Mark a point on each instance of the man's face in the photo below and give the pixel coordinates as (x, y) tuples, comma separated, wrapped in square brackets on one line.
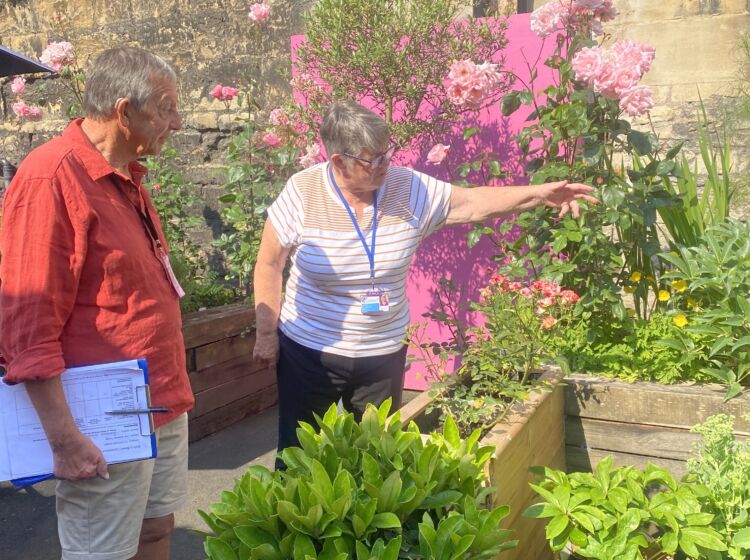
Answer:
[(153, 124)]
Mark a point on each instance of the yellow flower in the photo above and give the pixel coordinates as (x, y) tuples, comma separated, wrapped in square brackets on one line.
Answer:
[(691, 302), (650, 279), (629, 289), (663, 295), (679, 285), (680, 320), (635, 277)]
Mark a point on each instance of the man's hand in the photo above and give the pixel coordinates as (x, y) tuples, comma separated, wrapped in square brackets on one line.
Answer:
[(565, 196), (76, 457), (266, 349)]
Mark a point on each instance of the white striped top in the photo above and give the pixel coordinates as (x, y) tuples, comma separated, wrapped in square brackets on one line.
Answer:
[(330, 270)]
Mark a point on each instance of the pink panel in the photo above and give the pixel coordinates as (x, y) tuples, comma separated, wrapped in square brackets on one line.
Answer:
[(445, 254)]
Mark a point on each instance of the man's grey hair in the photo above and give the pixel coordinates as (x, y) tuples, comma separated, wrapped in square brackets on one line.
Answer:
[(349, 128), (122, 72)]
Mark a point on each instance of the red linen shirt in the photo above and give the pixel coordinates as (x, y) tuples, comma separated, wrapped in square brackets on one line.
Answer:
[(80, 279)]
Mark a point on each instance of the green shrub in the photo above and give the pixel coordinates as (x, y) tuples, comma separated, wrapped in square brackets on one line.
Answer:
[(624, 514), (368, 489)]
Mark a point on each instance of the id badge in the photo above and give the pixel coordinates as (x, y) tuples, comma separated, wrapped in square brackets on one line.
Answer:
[(374, 302), (170, 274)]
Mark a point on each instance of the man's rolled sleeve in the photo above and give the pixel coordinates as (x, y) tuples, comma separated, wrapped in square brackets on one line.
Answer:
[(42, 254)]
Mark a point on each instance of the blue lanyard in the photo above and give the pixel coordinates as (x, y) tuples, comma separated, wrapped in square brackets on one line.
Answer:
[(370, 251)]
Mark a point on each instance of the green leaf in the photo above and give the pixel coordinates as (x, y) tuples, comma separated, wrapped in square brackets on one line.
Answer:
[(556, 526), (469, 132), (643, 143), (511, 102), (217, 549), (386, 520), (303, 547), (741, 538), (702, 536)]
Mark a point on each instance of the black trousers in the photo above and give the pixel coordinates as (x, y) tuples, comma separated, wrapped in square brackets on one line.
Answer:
[(310, 381)]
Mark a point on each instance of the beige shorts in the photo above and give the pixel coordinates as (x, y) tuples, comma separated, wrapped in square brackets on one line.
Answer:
[(101, 519)]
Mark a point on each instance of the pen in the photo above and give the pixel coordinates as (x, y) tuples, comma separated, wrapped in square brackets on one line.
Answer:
[(140, 410)]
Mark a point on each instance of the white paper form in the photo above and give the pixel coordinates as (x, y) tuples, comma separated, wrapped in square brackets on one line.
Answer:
[(91, 391)]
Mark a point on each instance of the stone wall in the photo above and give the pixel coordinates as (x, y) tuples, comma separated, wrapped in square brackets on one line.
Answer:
[(206, 41)]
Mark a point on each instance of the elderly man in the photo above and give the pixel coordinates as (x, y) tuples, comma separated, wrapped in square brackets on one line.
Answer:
[(86, 280), (350, 228)]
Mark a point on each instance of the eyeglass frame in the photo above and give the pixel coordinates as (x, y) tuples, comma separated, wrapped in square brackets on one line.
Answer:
[(386, 159)]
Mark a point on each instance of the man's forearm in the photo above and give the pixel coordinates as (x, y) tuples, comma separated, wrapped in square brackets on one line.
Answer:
[(48, 399), (267, 289)]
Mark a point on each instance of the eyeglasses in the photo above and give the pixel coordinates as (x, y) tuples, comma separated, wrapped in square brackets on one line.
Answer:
[(379, 160)]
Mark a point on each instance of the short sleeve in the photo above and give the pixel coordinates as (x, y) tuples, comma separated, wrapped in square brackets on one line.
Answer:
[(431, 201), (286, 215)]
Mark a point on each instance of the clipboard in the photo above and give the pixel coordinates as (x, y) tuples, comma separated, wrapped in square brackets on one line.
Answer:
[(91, 391)]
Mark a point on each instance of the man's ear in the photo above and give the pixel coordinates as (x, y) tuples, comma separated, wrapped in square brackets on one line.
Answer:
[(122, 112)]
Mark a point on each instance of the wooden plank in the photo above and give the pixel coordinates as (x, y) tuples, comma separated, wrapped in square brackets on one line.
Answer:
[(223, 373), (532, 435), (681, 406), (222, 350), (221, 395), (637, 439), (585, 460), (204, 327), (225, 416)]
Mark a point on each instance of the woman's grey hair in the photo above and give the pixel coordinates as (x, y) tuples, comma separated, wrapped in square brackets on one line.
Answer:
[(349, 128), (122, 72)]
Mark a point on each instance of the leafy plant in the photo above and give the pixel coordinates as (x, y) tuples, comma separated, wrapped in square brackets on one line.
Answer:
[(393, 53), (710, 284), (720, 464), (500, 358), (369, 489), (706, 204), (580, 132), (255, 175), (624, 514)]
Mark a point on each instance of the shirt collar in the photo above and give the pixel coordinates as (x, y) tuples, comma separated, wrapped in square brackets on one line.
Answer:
[(92, 159)]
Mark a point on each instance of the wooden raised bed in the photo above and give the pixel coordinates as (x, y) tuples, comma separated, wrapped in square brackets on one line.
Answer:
[(530, 435), (640, 422), (227, 383)]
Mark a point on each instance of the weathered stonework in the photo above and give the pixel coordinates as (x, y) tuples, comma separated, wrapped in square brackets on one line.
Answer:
[(207, 42)]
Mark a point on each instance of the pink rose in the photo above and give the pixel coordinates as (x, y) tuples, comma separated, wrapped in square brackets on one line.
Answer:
[(437, 153), (156, 187), (548, 322), (58, 55), (27, 112), (259, 12), (278, 117), (469, 83), (545, 20), (18, 85), (637, 101), (271, 140), (637, 56), (586, 63), (625, 78), (224, 93), (312, 152), (607, 12)]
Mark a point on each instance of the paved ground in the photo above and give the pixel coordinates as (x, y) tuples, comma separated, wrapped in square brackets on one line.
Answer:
[(28, 530)]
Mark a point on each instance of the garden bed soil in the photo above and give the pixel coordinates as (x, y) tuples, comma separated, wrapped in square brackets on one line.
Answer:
[(227, 383)]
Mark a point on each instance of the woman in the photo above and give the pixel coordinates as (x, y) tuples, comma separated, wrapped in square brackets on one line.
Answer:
[(351, 226)]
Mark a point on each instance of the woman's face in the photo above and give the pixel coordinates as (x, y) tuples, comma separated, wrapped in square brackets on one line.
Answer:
[(367, 170)]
